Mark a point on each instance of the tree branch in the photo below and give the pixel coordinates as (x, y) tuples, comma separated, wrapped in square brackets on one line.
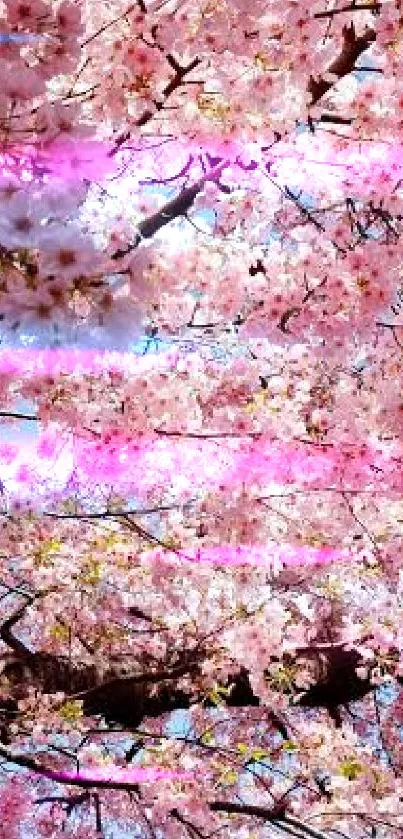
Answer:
[(266, 813), (7, 636), (147, 115), (18, 415), (60, 777), (352, 7), (353, 47), (276, 815), (178, 206), (116, 513), (191, 828)]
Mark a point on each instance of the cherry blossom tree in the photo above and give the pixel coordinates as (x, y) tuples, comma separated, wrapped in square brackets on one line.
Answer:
[(201, 624)]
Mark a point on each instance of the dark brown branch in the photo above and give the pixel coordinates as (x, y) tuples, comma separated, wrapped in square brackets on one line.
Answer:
[(353, 47), (191, 828), (60, 777), (287, 823), (283, 322), (362, 525), (178, 206), (70, 802), (98, 818), (276, 814), (303, 209), (335, 120), (147, 115), (207, 436), (135, 612), (266, 813), (17, 415), (165, 181), (127, 700), (107, 25), (115, 514), (336, 682), (241, 695), (352, 7), (7, 636)]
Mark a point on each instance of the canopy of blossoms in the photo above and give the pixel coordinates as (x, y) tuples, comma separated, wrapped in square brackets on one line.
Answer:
[(201, 549)]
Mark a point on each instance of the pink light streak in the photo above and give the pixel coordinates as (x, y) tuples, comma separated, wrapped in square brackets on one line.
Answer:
[(23, 363), (328, 469), (85, 158), (204, 464), (116, 774), (271, 556)]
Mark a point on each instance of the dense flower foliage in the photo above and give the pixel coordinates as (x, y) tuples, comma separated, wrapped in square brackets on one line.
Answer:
[(201, 550)]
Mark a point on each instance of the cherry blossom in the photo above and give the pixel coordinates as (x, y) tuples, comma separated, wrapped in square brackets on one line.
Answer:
[(21, 224), (25, 13), (68, 255), (201, 593)]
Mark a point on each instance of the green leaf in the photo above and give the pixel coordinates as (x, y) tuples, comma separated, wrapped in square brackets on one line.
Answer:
[(289, 746), (207, 738), (230, 776), (71, 711), (350, 769), (259, 754)]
